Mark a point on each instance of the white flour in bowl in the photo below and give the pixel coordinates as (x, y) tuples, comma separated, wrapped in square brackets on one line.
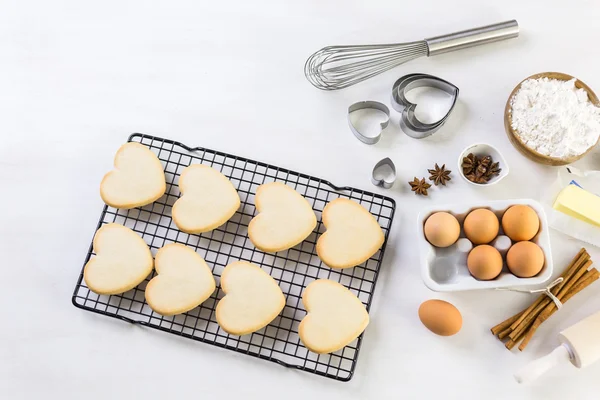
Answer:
[(555, 118)]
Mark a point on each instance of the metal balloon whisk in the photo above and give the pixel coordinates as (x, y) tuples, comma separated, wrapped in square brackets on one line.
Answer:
[(337, 67)]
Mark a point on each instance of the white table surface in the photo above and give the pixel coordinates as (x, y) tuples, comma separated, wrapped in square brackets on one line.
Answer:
[(77, 78)]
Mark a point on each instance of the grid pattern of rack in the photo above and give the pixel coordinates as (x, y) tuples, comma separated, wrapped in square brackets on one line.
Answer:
[(293, 269)]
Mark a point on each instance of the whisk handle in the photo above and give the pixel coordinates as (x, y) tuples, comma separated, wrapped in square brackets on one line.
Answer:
[(472, 37)]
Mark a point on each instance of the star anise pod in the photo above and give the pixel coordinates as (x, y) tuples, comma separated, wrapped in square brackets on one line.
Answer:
[(469, 163), (439, 175), (480, 171), (493, 170), (481, 179), (485, 161), (476, 179), (419, 186)]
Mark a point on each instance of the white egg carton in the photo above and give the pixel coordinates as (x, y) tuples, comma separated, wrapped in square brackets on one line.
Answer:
[(445, 269)]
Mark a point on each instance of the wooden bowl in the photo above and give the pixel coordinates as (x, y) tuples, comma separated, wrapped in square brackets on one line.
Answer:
[(518, 143)]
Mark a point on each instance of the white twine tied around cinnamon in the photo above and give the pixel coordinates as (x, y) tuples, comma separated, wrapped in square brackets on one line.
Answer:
[(547, 291)]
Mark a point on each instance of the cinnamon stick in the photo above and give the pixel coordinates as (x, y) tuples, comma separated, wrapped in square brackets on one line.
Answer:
[(570, 273), (581, 257), (583, 269), (526, 312), (526, 323), (505, 324), (504, 333), (587, 279), (512, 342), (529, 334), (522, 326), (516, 319)]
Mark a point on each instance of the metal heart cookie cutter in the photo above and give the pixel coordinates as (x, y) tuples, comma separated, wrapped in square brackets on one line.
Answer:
[(409, 122), (384, 173), (362, 105)]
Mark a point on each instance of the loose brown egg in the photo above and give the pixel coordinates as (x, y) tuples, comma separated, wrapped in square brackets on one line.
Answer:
[(440, 317), (484, 262), (520, 223), (481, 226), (442, 229), (525, 259)]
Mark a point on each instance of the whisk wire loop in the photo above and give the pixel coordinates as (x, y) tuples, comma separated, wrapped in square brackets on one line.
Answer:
[(337, 67)]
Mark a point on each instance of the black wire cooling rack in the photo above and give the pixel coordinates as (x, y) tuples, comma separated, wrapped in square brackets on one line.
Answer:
[(293, 269)]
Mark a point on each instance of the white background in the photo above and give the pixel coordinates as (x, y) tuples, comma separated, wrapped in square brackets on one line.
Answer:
[(78, 77)]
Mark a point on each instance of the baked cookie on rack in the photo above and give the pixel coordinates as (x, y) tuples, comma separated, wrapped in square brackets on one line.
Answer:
[(208, 199), (353, 235), (183, 280), (138, 178), (252, 299), (123, 260), (335, 317), (284, 219)]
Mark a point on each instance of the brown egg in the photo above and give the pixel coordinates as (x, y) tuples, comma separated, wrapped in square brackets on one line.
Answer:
[(525, 259), (440, 317), (484, 262), (520, 223), (481, 226), (442, 229)]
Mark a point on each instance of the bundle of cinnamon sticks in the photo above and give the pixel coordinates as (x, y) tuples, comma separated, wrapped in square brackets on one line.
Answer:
[(522, 326)]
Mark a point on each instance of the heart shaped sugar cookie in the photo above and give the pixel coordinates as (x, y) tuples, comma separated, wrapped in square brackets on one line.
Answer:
[(335, 317), (285, 218), (208, 199), (123, 260), (137, 180), (183, 280), (353, 235), (252, 299)]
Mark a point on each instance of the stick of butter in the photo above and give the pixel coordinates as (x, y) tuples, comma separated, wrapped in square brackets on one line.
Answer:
[(578, 203)]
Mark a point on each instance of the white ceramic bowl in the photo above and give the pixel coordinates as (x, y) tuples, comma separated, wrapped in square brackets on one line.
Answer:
[(483, 149), (445, 269)]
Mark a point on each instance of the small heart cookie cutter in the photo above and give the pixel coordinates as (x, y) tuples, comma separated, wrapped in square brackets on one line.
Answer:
[(362, 105), (409, 122), (385, 182)]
